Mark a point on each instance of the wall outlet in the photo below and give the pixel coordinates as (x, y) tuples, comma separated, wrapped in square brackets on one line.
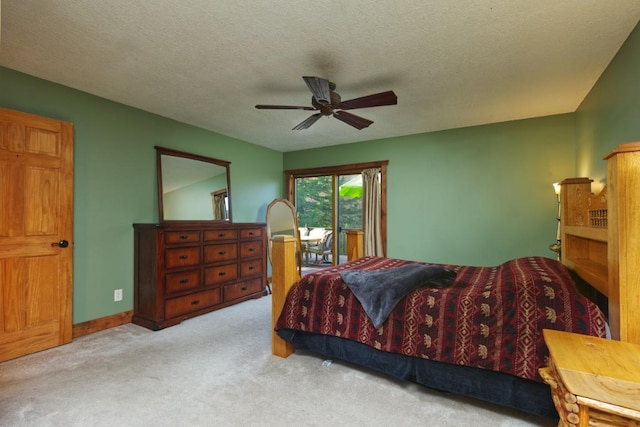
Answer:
[(117, 295)]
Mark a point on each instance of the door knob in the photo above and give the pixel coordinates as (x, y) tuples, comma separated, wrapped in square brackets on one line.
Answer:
[(61, 243)]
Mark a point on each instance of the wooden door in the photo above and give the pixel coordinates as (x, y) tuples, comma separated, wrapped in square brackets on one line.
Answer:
[(36, 218)]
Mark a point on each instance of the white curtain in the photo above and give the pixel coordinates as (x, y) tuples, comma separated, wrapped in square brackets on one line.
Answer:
[(371, 212), (219, 207)]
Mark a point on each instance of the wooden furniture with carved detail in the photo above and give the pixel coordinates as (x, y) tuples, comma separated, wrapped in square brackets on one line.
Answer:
[(187, 269), (594, 381), (600, 237)]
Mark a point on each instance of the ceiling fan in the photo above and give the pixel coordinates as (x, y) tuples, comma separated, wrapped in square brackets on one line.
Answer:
[(326, 101)]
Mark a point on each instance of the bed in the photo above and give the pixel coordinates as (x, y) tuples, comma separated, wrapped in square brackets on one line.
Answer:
[(481, 334)]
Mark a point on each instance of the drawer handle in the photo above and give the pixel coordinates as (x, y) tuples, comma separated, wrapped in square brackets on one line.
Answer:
[(252, 267), (244, 288), (183, 281), (195, 302), (252, 249), (222, 252), (222, 273), (184, 256), (184, 237), (251, 233), (222, 234)]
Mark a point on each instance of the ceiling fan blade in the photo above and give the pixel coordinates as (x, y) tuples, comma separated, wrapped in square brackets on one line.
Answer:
[(308, 122), (283, 107), (353, 120), (375, 100), (320, 89)]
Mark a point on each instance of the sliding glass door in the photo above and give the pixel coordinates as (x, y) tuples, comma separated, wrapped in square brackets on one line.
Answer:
[(316, 216), (329, 201), (332, 203)]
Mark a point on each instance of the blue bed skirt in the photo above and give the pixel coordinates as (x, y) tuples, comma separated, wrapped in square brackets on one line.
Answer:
[(489, 386)]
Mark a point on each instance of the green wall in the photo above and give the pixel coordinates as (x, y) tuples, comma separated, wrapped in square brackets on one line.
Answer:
[(610, 114), (115, 180), (478, 195)]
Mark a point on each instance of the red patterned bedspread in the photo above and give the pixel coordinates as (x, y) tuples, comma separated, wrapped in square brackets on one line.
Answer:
[(492, 317)]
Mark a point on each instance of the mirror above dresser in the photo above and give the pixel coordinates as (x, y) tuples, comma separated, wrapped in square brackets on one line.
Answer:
[(192, 187)]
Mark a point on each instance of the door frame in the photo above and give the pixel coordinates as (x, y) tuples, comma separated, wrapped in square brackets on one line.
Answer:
[(354, 168)]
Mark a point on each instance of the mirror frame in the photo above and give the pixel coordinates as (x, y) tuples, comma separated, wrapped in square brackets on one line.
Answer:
[(295, 230), (161, 151)]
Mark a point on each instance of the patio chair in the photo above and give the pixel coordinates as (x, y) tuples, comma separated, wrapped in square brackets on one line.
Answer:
[(311, 238), (323, 247)]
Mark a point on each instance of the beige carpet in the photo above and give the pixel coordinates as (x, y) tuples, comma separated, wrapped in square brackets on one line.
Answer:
[(217, 370)]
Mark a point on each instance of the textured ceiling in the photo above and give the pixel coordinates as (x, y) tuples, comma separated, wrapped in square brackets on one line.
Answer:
[(452, 63)]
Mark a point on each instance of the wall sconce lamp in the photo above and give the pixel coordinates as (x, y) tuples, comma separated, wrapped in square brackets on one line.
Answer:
[(557, 247)]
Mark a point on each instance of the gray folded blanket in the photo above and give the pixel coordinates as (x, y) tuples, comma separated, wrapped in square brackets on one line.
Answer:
[(379, 291)]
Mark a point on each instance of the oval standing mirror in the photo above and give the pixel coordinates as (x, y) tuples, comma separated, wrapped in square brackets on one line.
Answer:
[(283, 221), (192, 187)]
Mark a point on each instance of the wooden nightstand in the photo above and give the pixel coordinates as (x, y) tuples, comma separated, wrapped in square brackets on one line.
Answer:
[(594, 381)]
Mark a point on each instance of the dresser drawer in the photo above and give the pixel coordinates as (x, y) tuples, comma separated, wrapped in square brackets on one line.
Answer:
[(177, 282), (220, 274), (250, 268), (182, 257), (239, 290), (194, 302), (250, 233), (215, 253), (175, 237), (216, 235), (251, 249)]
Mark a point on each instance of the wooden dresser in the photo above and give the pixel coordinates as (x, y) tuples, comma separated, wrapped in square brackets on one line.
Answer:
[(594, 381), (186, 269)]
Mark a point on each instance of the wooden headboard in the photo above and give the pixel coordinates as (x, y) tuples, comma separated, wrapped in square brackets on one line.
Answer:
[(600, 237)]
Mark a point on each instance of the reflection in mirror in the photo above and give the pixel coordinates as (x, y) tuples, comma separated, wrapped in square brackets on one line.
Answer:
[(282, 221), (220, 204), (192, 187)]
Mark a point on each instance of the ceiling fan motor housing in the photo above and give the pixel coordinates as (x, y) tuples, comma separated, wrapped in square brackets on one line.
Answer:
[(327, 109)]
